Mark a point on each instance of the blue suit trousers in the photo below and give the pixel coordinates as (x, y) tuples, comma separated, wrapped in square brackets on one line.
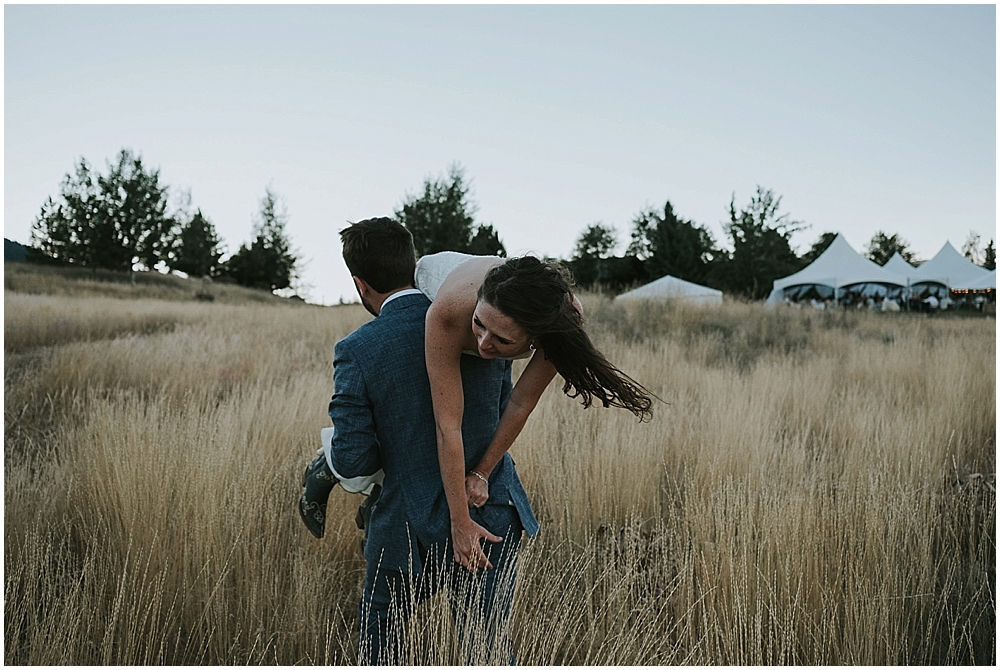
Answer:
[(480, 603)]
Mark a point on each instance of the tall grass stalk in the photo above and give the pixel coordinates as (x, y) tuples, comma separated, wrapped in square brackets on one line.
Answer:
[(817, 488)]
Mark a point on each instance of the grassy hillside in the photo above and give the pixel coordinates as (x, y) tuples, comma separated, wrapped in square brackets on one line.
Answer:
[(83, 282), (816, 488)]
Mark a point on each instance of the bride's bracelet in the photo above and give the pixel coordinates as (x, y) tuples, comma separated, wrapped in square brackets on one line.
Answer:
[(473, 472)]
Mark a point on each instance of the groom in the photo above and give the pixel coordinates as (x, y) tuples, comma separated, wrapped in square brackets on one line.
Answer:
[(383, 418)]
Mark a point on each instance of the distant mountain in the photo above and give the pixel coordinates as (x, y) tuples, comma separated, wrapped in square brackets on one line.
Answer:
[(14, 252)]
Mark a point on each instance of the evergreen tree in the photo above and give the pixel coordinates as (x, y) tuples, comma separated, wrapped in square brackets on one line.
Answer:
[(441, 219), (669, 245), (596, 241), (592, 249), (762, 251), (882, 247), (269, 261), (486, 242), (990, 257), (113, 221), (196, 251)]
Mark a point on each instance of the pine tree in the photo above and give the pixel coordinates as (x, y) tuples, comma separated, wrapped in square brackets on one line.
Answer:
[(197, 251), (990, 257), (882, 247), (762, 251), (114, 221), (269, 261), (669, 245), (592, 248), (441, 219)]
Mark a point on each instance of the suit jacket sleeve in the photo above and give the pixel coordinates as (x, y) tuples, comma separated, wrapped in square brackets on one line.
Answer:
[(354, 449)]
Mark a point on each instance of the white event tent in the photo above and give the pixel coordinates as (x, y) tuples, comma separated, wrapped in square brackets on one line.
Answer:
[(899, 265), (987, 281), (950, 268), (672, 287), (840, 265)]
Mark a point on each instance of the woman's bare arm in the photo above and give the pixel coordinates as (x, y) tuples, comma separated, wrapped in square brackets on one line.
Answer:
[(445, 330), (528, 389)]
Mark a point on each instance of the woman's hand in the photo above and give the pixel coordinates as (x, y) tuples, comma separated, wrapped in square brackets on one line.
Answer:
[(477, 489), (465, 537)]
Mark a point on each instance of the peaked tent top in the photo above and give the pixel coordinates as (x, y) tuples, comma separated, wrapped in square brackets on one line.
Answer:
[(950, 268), (672, 287), (840, 265), (899, 265)]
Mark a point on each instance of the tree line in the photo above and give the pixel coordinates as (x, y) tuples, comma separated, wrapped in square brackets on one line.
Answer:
[(663, 243), (758, 234), (120, 221)]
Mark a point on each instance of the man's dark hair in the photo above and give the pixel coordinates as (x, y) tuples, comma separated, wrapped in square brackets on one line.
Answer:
[(380, 251)]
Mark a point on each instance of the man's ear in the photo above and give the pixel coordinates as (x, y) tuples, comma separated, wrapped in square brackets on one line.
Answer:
[(364, 288)]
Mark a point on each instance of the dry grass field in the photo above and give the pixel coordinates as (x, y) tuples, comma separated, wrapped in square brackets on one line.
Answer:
[(91, 283), (817, 488)]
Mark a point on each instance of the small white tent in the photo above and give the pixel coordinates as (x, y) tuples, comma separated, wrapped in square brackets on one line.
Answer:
[(950, 268), (840, 265), (672, 287)]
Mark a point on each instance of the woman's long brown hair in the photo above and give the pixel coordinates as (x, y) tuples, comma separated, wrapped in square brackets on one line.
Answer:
[(537, 295)]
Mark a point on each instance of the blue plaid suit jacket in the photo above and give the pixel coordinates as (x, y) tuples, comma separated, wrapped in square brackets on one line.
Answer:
[(383, 418)]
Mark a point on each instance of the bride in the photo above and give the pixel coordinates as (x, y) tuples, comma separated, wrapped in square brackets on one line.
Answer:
[(515, 308), (492, 308)]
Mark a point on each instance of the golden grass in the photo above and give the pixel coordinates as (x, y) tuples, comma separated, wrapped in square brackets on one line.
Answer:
[(810, 494), (71, 281)]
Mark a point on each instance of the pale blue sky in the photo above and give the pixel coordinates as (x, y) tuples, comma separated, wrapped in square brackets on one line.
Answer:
[(861, 117)]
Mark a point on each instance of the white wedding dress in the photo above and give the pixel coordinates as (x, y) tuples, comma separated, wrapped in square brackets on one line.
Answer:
[(433, 269)]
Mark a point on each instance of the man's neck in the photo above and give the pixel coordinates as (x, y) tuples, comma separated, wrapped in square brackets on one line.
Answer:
[(393, 294)]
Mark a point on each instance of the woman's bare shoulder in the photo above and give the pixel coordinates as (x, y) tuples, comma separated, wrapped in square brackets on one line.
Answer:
[(458, 292)]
